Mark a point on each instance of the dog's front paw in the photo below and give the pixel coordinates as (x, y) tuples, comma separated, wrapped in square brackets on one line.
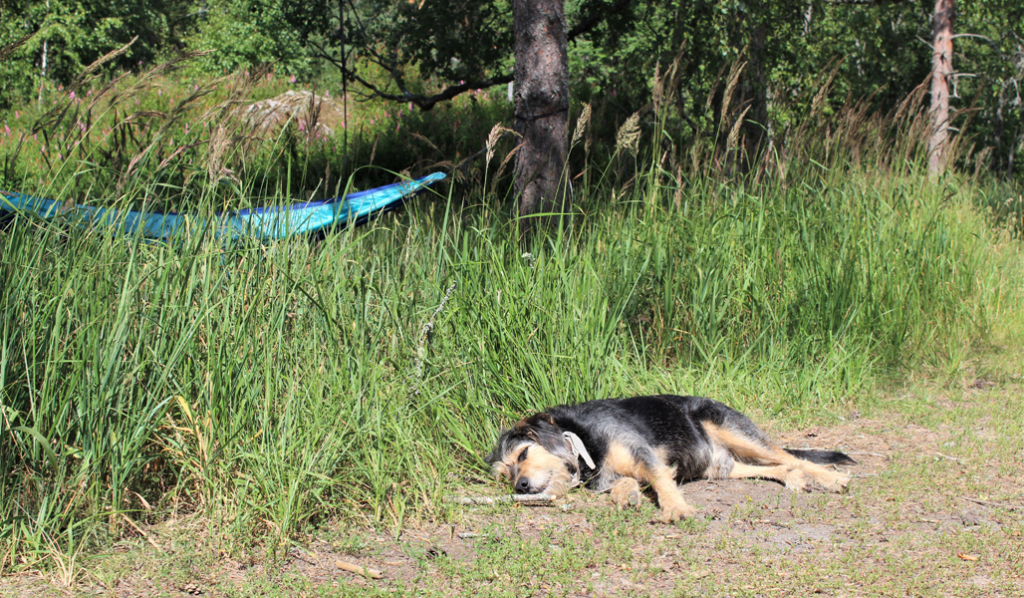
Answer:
[(626, 493), (673, 512), (835, 482), (796, 480)]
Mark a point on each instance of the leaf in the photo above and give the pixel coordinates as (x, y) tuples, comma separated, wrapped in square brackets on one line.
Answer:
[(43, 442), (968, 557), (184, 407)]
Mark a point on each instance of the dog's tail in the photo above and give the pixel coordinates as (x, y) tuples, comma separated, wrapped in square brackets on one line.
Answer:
[(822, 457)]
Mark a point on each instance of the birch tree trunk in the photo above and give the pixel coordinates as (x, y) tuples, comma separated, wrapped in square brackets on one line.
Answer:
[(541, 106), (942, 70)]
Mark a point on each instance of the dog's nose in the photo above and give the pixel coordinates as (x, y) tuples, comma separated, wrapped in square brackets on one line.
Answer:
[(523, 486)]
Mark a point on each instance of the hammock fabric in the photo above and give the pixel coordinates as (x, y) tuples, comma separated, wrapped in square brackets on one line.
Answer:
[(273, 222)]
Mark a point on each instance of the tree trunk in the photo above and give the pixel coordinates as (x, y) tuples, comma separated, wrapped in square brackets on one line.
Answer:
[(942, 69), (541, 106), (755, 94)]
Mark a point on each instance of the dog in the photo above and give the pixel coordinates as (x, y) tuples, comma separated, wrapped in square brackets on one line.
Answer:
[(617, 444)]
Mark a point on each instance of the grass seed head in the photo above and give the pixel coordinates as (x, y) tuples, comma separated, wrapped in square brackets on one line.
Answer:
[(628, 137), (581, 124)]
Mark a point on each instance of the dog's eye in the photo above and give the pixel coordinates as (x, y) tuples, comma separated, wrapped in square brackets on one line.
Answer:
[(522, 455)]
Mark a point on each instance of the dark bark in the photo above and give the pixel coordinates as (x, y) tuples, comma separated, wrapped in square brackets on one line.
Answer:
[(942, 70), (541, 106), (755, 92), (427, 102)]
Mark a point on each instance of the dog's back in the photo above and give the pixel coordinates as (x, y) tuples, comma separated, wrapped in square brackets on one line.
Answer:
[(673, 424)]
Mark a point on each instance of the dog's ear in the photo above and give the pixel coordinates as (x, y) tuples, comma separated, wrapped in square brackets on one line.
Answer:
[(542, 429), (534, 421)]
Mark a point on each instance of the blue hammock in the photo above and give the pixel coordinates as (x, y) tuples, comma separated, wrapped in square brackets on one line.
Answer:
[(261, 223)]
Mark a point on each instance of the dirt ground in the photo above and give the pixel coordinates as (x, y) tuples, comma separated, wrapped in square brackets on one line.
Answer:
[(935, 508)]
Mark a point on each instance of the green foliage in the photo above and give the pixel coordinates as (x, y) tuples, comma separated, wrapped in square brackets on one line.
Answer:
[(72, 35), (164, 142), (247, 33), (455, 40), (265, 386), (791, 48)]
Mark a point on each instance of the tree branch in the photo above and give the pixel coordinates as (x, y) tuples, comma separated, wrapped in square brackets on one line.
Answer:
[(595, 19), (866, 2), (426, 102), (9, 49)]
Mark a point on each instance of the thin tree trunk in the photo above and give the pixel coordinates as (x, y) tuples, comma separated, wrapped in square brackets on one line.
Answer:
[(997, 127), (755, 91), (541, 106), (42, 78), (942, 69)]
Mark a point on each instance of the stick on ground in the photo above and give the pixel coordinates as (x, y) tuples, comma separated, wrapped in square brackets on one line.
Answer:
[(490, 500), (364, 571)]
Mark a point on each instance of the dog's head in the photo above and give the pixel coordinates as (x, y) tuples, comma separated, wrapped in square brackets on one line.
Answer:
[(535, 457)]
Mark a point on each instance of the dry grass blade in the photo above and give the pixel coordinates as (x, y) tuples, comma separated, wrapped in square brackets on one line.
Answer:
[(734, 133), (730, 87), (714, 89), (912, 103), (9, 50), (373, 150), (659, 88), (497, 132), (628, 137), (220, 142), (492, 139), (581, 124), (505, 161), (424, 139), (819, 97), (666, 84), (312, 117), (81, 78)]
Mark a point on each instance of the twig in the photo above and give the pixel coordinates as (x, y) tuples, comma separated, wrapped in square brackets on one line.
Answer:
[(428, 328), (989, 503), (141, 532), (297, 553), (490, 500), (426, 102), (887, 457), (364, 571)]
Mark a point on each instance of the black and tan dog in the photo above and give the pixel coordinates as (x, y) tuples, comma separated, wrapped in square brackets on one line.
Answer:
[(618, 444)]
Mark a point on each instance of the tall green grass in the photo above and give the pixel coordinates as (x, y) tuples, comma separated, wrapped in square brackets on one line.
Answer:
[(266, 387), (157, 141)]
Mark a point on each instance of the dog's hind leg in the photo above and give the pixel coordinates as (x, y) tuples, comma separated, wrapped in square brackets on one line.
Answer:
[(793, 478), (757, 452)]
